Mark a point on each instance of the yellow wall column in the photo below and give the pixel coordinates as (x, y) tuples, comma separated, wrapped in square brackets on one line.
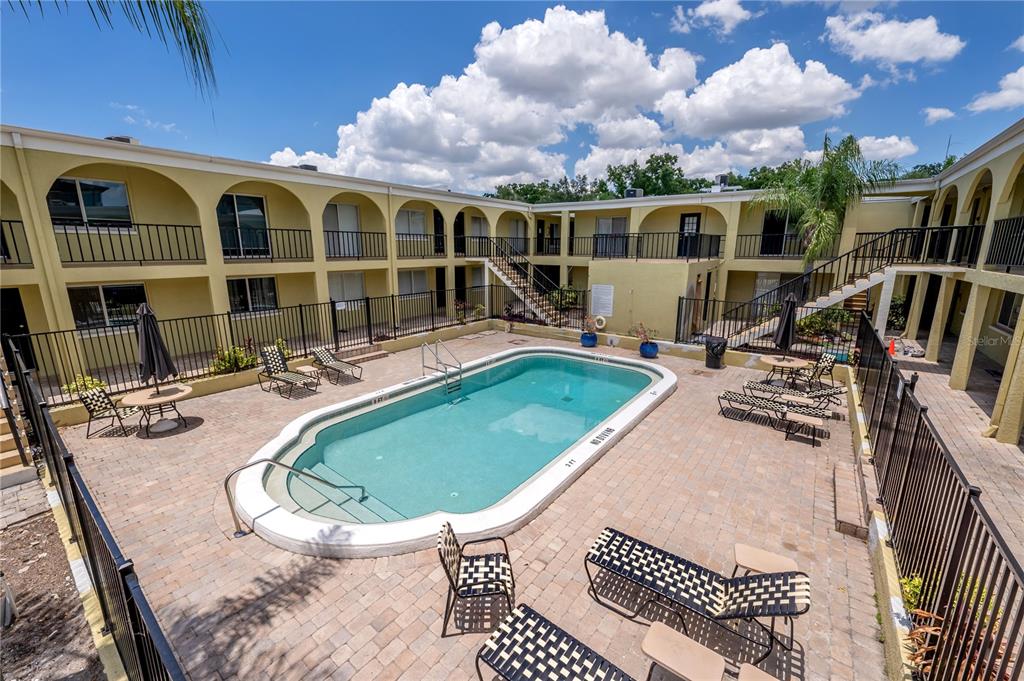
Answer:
[(315, 207), (636, 216), (939, 318), (970, 331), (1008, 411), (563, 242), (917, 306)]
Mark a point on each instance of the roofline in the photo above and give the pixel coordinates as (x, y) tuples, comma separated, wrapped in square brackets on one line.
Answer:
[(700, 198), (1006, 140)]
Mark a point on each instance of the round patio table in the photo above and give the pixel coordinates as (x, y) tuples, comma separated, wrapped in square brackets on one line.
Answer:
[(158, 403), (784, 366)]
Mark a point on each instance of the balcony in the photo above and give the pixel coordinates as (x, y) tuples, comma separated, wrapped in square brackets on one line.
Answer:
[(14, 250), (1007, 246), (956, 245), (356, 245), (116, 242), (656, 246), (420, 245), (770, 246), (271, 245)]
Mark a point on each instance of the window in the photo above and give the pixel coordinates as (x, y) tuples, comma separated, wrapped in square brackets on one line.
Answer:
[(252, 295), (412, 281), (98, 306), (1009, 311), (410, 222), (341, 217), (243, 226), (689, 223), (346, 285), (517, 228), (477, 226), (75, 201)]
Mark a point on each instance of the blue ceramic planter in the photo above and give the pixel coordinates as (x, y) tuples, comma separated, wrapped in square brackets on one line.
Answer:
[(588, 340), (648, 350)]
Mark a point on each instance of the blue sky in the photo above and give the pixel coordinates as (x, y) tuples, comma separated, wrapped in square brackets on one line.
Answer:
[(724, 84)]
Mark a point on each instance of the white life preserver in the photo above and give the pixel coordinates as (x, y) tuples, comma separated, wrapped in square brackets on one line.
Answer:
[(600, 322)]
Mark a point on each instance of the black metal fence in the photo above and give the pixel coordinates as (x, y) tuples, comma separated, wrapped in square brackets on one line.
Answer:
[(549, 245), (770, 246), (127, 615), (970, 585), (1007, 246), (656, 246), (831, 330), (273, 244), (356, 245), (419, 246), (79, 243), (14, 248), (69, 361)]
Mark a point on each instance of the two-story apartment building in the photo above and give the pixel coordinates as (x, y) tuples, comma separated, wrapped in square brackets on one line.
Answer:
[(93, 227)]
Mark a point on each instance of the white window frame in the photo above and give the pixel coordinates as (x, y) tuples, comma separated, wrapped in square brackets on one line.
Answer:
[(129, 227), (406, 235), (103, 303), (248, 297)]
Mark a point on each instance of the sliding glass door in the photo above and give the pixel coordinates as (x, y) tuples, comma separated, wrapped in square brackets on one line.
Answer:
[(243, 226)]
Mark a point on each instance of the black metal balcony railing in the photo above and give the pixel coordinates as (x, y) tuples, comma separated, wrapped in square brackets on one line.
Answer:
[(581, 246), (770, 246), (14, 243), (273, 244), (1007, 246), (656, 246), (419, 245), (127, 242), (518, 244), (547, 246), (356, 245), (956, 244)]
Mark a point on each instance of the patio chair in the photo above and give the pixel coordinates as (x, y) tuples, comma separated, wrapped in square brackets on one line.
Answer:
[(775, 409), (813, 376), (529, 646), (275, 370), (323, 359), (677, 583), (473, 576), (99, 405), (822, 396)]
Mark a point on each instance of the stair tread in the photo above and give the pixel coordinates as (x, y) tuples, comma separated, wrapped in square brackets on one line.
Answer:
[(372, 503)]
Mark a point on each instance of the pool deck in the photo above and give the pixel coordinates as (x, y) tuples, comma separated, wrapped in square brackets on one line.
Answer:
[(685, 478)]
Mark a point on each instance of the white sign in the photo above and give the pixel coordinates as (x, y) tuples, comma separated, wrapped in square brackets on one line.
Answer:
[(602, 299), (341, 305)]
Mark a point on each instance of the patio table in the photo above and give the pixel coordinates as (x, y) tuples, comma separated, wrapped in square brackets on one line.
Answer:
[(152, 402), (784, 366)]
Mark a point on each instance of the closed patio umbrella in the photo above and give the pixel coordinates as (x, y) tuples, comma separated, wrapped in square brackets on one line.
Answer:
[(785, 332), (154, 359)]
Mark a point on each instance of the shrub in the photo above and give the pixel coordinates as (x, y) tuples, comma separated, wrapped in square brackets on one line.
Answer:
[(82, 383), (825, 323), (563, 298), (282, 345), (235, 358), (897, 318), (911, 588)]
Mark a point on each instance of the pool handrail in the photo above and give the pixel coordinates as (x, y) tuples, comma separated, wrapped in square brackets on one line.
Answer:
[(441, 365), (239, 532)]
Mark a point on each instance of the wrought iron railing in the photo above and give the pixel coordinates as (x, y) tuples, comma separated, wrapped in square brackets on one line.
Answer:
[(14, 248), (419, 245), (770, 246), (656, 246), (81, 243), (1007, 246), (549, 245), (272, 244), (971, 586), (355, 245)]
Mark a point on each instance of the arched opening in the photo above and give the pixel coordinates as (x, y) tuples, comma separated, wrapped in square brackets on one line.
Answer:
[(354, 228), (979, 199), (681, 232), (110, 213), (513, 230), (419, 230), (947, 207), (471, 231), (263, 221), (1013, 192)]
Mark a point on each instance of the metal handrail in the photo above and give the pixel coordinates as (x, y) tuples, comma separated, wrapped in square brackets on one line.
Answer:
[(231, 498), (440, 364)]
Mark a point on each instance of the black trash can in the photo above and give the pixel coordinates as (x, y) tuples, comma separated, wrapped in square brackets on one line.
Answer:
[(714, 348)]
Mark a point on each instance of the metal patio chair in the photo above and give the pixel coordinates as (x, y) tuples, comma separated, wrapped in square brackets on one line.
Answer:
[(473, 576), (99, 405), (277, 373), (325, 360)]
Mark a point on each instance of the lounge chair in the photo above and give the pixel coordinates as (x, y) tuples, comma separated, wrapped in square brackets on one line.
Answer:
[(775, 409), (678, 583), (473, 576), (323, 359), (99, 405), (277, 373), (822, 396), (529, 646), (813, 376)]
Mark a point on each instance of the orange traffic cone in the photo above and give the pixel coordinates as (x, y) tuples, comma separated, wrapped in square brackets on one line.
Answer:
[(892, 347)]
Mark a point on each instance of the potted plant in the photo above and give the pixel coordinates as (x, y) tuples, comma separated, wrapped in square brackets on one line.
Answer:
[(588, 338), (648, 348)]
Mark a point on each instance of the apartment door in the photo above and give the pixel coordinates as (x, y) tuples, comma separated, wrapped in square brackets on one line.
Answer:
[(689, 231), (438, 233), (773, 233), (14, 323), (439, 286), (460, 282), (611, 237), (459, 229)]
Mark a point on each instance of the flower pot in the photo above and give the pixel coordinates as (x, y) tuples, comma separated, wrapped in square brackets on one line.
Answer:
[(588, 340), (649, 350)]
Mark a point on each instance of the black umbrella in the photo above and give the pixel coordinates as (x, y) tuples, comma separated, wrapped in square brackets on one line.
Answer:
[(785, 332), (154, 360)]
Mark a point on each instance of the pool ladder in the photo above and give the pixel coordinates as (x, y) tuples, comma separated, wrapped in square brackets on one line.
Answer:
[(451, 368)]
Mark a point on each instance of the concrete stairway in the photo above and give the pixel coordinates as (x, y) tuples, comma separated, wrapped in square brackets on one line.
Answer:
[(13, 468), (535, 300)]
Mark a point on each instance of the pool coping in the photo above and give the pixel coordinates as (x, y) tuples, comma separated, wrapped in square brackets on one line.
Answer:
[(307, 536)]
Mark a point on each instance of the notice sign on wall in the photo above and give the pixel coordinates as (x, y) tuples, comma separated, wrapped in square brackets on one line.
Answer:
[(602, 299)]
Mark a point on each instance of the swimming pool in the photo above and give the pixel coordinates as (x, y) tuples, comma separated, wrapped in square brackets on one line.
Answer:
[(487, 457)]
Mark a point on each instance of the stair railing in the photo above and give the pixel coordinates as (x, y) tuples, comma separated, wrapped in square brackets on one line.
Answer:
[(444, 366)]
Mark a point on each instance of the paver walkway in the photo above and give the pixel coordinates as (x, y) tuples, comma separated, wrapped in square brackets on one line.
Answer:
[(684, 478), (960, 417), (21, 502)]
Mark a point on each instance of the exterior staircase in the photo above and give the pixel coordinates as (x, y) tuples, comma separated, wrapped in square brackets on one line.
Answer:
[(847, 278), (16, 464), (513, 269)]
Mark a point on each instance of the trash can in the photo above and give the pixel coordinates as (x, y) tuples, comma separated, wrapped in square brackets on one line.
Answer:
[(714, 348)]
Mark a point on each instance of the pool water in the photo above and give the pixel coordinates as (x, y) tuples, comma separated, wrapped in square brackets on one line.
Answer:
[(466, 451)]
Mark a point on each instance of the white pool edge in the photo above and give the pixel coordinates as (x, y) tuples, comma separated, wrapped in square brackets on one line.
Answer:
[(307, 536)]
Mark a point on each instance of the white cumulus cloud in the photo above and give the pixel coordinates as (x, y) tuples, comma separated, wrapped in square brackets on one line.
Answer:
[(638, 131), (1018, 44), (886, 148), (723, 15), (766, 88), (870, 36), (1010, 94), (934, 114)]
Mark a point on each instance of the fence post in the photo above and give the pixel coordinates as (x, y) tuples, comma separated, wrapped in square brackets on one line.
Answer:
[(433, 305), (335, 331), (913, 381), (302, 330), (394, 315)]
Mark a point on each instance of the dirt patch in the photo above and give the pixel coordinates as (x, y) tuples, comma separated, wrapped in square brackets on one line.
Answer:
[(51, 638)]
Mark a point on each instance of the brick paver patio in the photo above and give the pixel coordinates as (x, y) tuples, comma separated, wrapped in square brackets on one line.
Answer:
[(685, 478)]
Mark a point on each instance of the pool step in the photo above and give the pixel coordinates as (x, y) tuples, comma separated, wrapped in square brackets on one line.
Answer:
[(342, 505), (372, 503)]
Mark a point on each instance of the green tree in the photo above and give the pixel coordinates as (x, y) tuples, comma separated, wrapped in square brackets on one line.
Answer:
[(821, 193), (566, 189), (660, 175), (181, 23), (923, 171)]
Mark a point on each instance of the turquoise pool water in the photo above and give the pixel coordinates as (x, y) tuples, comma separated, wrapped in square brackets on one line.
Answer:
[(461, 453)]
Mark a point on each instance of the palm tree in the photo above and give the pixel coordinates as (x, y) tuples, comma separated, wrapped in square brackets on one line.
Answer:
[(817, 195), (183, 23)]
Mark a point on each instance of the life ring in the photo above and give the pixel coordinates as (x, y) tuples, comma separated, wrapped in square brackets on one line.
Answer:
[(600, 322)]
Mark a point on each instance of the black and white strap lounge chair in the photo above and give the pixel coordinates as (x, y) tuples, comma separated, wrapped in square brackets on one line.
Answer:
[(473, 576), (678, 583), (529, 646), (822, 396), (331, 365), (99, 405), (814, 376), (277, 373), (774, 409)]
